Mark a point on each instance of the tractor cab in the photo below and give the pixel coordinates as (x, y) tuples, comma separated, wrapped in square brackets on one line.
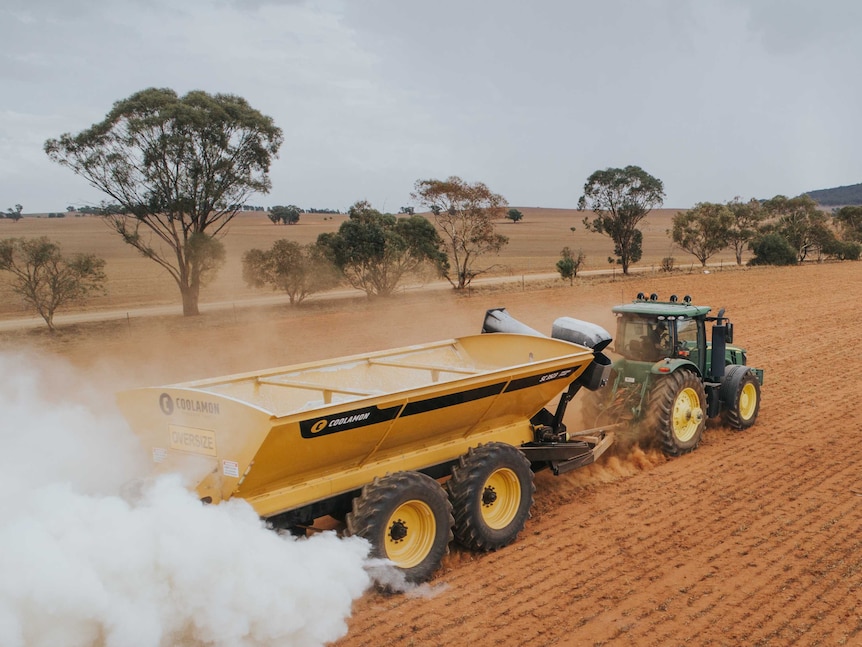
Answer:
[(651, 331)]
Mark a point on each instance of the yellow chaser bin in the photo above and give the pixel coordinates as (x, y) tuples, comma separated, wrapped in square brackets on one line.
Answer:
[(408, 446)]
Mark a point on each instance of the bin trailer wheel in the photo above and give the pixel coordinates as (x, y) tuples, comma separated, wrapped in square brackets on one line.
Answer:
[(740, 393), (407, 518), (491, 490), (676, 412)]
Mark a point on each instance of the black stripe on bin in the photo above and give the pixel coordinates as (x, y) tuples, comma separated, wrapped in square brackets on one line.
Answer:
[(453, 399), (314, 427), (533, 380)]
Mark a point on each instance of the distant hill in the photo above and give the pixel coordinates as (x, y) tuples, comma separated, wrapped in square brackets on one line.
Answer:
[(839, 196)]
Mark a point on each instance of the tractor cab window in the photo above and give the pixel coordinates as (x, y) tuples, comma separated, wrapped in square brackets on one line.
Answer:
[(644, 339), (686, 331)]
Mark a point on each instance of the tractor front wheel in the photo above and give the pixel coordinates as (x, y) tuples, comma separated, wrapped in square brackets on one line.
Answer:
[(676, 412), (491, 490), (407, 518), (740, 393)]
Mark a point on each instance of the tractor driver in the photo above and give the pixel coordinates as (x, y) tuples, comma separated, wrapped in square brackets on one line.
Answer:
[(658, 339)]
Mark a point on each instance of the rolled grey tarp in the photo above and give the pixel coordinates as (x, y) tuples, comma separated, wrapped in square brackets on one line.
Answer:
[(581, 332)]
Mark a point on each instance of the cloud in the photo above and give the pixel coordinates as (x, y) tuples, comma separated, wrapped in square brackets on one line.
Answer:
[(257, 4), (716, 98), (798, 27)]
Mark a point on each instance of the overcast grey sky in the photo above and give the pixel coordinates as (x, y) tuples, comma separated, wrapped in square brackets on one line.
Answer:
[(717, 98)]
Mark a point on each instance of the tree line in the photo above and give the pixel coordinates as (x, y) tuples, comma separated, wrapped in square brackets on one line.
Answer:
[(177, 169), (778, 231), (374, 251), (371, 251)]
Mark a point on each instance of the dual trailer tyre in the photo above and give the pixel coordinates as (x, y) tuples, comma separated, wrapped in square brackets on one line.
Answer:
[(407, 518), (740, 393), (491, 490), (676, 411)]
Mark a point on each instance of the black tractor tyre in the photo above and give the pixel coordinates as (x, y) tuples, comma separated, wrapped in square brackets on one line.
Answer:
[(676, 411), (491, 490), (740, 394), (407, 518)]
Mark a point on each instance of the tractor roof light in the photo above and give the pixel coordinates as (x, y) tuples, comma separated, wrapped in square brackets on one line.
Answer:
[(687, 299), (673, 298), (653, 297)]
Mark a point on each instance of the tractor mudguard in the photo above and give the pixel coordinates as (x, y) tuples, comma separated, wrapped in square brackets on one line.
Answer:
[(670, 364)]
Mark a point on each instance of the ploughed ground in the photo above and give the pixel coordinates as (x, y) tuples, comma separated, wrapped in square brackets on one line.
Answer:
[(753, 539)]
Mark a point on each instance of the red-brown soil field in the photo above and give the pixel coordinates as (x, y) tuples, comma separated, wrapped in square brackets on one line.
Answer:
[(753, 539)]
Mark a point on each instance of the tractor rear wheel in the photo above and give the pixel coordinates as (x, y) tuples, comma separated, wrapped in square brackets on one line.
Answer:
[(740, 393), (676, 412), (491, 490), (407, 518)]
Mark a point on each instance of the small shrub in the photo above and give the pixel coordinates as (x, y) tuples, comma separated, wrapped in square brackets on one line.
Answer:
[(569, 264), (843, 250), (772, 249)]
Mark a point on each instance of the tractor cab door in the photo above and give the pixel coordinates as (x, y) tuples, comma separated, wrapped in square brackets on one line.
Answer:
[(691, 341)]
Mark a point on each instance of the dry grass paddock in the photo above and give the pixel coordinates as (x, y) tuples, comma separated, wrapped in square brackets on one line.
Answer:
[(134, 281)]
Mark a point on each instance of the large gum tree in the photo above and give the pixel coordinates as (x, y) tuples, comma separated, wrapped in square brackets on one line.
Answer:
[(179, 168), (620, 198)]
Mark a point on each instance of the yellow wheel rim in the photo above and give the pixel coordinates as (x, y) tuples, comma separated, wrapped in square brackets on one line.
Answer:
[(687, 415), (501, 498), (747, 401), (410, 533)]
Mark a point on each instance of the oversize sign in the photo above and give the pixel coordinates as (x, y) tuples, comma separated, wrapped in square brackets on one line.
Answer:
[(196, 441)]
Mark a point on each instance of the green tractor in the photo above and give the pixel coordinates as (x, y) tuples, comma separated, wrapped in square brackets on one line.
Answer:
[(670, 378)]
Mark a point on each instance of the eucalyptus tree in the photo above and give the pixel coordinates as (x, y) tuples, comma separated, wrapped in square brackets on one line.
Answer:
[(620, 198), (179, 167), (375, 251), (747, 220), (46, 279), (297, 270), (802, 224), (849, 219), (703, 230), (465, 215)]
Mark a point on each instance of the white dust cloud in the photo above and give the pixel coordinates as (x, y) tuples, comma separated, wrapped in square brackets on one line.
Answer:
[(87, 560)]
